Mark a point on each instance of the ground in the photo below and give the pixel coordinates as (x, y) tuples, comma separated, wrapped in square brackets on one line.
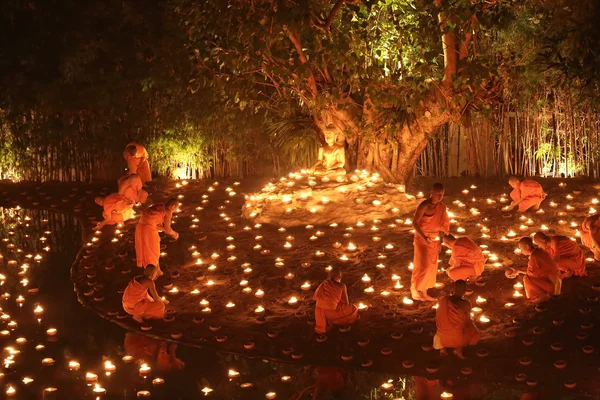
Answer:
[(210, 214)]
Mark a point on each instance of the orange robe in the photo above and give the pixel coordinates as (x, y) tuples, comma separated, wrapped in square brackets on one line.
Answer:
[(151, 351), (117, 209), (138, 164), (454, 326), (567, 254), (130, 187), (426, 254), (331, 308), (465, 253), (542, 276), (138, 302), (147, 239), (586, 235), (531, 192)]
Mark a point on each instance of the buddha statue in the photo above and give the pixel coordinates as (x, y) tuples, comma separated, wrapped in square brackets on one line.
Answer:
[(331, 158)]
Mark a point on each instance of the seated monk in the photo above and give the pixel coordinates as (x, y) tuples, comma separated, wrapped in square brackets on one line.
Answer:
[(466, 261), (140, 298), (431, 218), (130, 187), (332, 303), (542, 278), (331, 158), (527, 194), (455, 329), (157, 353), (590, 234), (154, 219), (566, 253), (137, 161), (116, 209)]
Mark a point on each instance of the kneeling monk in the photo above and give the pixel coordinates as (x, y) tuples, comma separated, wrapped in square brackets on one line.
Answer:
[(137, 161), (467, 259), (147, 240), (332, 303), (130, 187), (140, 298), (541, 278), (566, 253), (455, 329), (526, 194), (116, 209), (590, 234), (430, 219)]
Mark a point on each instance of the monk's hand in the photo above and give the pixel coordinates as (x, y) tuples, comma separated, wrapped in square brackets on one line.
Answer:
[(175, 235), (511, 273)]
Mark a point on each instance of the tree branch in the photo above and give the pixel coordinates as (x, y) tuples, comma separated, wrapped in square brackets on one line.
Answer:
[(326, 23), (295, 38), (449, 46)]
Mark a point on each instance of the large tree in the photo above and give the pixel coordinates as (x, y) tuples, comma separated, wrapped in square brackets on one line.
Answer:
[(383, 74)]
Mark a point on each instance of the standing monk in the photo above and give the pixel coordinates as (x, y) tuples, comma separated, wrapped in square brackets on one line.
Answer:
[(116, 209), (566, 253), (430, 219), (140, 298), (333, 306), (455, 329), (526, 194), (590, 234), (467, 260), (154, 219), (130, 187), (137, 161), (541, 278)]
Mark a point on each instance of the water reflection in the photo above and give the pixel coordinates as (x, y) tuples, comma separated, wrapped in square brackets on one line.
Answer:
[(54, 348)]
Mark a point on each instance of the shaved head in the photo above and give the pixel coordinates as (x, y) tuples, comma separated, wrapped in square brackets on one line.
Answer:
[(132, 150), (526, 245), (172, 204), (460, 287), (335, 273), (150, 271), (541, 239), (437, 187)]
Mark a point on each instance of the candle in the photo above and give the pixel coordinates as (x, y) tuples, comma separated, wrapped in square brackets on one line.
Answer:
[(305, 286), (271, 395), (362, 306), (73, 365), (259, 310), (144, 369), (484, 319), (293, 300), (481, 300), (366, 278), (259, 293), (91, 377), (407, 301)]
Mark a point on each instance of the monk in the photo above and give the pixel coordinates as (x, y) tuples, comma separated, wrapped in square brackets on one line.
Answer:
[(541, 278), (527, 194), (154, 219), (140, 298), (430, 219), (455, 329), (590, 234), (566, 253), (116, 209), (137, 161), (130, 187), (157, 353), (333, 306), (467, 260)]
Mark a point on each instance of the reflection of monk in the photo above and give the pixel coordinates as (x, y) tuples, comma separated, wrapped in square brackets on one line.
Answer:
[(147, 240), (329, 379), (590, 234), (116, 209), (158, 353), (137, 161), (331, 158), (141, 299), (130, 187), (541, 275), (566, 253), (466, 261), (332, 303), (430, 219), (455, 329), (526, 194)]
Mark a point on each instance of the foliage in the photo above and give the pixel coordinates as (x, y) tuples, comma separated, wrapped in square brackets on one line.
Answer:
[(296, 139)]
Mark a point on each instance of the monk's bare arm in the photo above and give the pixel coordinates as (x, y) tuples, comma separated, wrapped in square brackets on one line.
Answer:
[(149, 283), (417, 219), (167, 226), (345, 295)]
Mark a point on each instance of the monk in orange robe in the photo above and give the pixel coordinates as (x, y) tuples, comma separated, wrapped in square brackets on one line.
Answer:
[(140, 298), (154, 219), (467, 260), (137, 161), (332, 303), (527, 194), (116, 209), (455, 329), (590, 234), (130, 187), (566, 253), (159, 354), (431, 218), (542, 277)]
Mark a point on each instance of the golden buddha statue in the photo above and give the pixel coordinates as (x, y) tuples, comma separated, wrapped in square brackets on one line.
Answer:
[(331, 158)]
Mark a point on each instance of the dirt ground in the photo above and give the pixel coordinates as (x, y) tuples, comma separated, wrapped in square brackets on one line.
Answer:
[(210, 215)]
